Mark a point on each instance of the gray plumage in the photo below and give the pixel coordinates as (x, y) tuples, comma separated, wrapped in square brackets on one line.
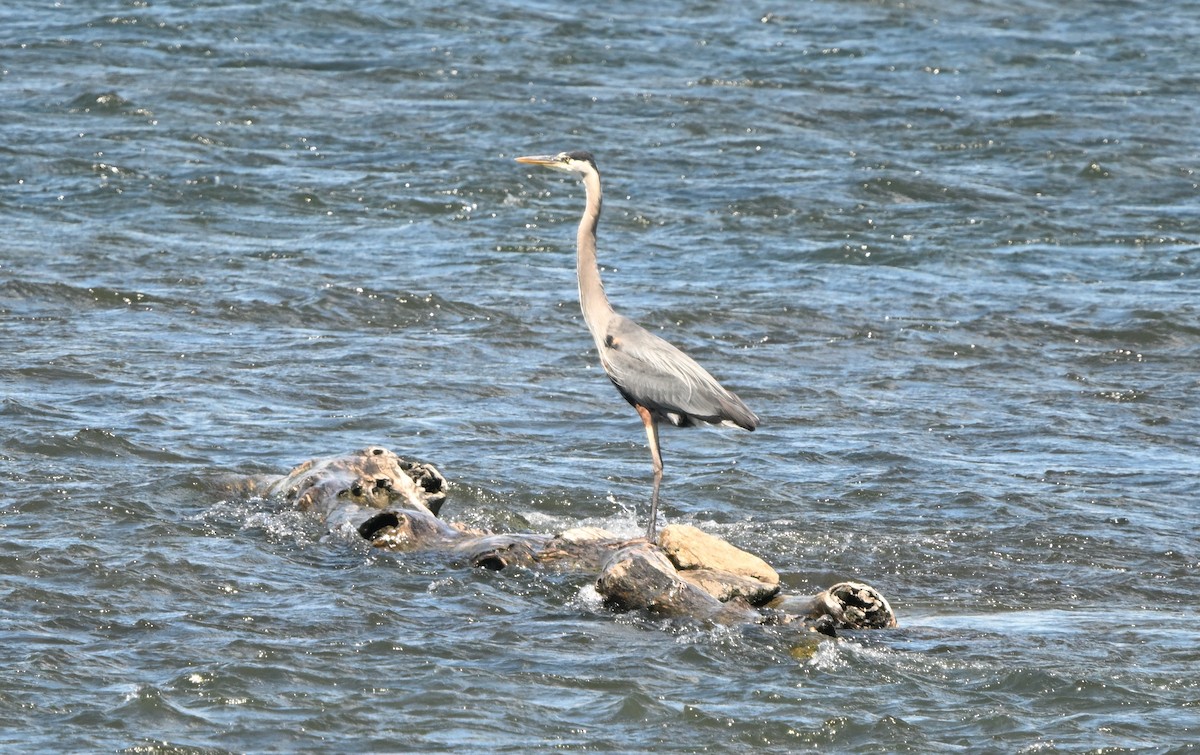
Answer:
[(659, 380), (650, 372)]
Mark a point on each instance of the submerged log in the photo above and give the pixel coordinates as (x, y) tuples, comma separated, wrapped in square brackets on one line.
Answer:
[(686, 573)]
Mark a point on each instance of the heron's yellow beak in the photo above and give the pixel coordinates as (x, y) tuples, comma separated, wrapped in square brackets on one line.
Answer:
[(538, 160)]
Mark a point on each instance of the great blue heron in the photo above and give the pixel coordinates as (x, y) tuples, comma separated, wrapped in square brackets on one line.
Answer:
[(659, 380)]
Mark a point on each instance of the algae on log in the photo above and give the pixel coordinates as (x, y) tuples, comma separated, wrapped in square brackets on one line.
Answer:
[(686, 573)]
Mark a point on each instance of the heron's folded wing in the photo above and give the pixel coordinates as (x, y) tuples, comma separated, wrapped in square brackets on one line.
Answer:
[(650, 371)]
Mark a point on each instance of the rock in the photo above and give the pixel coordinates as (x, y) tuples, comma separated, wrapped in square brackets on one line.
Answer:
[(688, 574), (718, 568), (725, 586), (639, 577), (691, 548)]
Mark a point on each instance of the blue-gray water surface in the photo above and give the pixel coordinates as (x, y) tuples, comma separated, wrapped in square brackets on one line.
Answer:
[(949, 252)]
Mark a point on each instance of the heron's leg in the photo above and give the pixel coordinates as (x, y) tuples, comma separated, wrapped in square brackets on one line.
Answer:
[(652, 436), (652, 528)]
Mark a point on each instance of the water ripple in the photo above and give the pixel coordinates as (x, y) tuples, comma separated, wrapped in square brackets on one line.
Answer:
[(956, 279)]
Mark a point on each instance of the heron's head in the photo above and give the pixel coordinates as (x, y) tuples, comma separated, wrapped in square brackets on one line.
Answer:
[(579, 162)]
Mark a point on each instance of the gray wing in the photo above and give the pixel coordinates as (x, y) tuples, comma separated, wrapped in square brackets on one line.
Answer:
[(652, 373)]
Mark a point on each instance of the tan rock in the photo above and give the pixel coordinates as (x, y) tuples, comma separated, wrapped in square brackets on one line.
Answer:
[(725, 586), (690, 548)]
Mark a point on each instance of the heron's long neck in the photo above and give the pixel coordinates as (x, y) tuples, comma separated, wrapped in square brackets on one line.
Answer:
[(596, 309)]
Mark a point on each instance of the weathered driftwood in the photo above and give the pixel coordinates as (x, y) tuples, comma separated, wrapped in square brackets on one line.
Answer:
[(686, 573)]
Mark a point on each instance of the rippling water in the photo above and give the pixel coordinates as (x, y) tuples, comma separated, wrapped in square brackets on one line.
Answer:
[(949, 255)]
